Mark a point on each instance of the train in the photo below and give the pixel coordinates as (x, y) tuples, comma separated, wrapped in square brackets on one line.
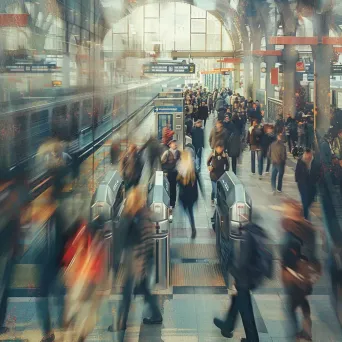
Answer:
[(78, 120)]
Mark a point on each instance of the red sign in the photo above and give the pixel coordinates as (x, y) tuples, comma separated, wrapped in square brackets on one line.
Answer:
[(291, 40), (13, 20), (275, 76), (300, 66)]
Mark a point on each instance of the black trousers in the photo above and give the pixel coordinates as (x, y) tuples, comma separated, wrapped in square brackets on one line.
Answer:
[(172, 178), (234, 164), (242, 303)]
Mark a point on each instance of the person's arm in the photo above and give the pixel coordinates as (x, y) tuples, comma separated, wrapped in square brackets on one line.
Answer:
[(164, 156), (285, 154), (297, 171), (269, 152), (211, 138), (209, 160), (202, 140)]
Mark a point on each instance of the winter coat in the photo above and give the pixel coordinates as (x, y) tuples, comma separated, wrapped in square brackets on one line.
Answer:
[(277, 153), (203, 112), (218, 136), (219, 164), (254, 139), (197, 134), (307, 180), (266, 141), (234, 145), (188, 194)]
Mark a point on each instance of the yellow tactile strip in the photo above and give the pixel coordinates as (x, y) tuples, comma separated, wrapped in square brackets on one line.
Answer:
[(194, 251), (196, 275)]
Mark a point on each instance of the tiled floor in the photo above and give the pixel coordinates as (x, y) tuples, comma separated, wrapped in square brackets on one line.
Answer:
[(189, 306)]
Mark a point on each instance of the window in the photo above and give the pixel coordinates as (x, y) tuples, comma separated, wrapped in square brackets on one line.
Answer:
[(198, 25), (198, 42), (74, 114), (87, 114), (39, 129)]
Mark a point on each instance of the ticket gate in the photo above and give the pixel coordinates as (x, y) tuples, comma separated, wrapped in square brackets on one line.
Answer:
[(233, 210), (159, 202), (108, 201)]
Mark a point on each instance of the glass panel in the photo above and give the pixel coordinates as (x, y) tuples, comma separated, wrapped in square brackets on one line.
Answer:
[(152, 25), (152, 11), (150, 40), (197, 12), (121, 26), (167, 26), (74, 114), (120, 42), (136, 33), (87, 113), (213, 42), (226, 41), (213, 25), (182, 37), (198, 25), (39, 129), (198, 42)]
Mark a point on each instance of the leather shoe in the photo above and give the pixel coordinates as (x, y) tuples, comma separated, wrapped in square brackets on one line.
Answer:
[(152, 320), (221, 325)]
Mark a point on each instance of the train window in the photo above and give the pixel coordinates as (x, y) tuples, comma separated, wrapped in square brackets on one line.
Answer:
[(20, 138), (74, 117), (98, 110), (59, 124), (107, 107), (39, 129), (87, 113)]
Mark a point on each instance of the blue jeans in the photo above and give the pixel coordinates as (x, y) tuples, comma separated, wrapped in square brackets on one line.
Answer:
[(260, 161), (213, 190), (277, 170)]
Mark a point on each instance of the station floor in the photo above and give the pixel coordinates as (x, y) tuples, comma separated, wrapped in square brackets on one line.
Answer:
[(198, 294)]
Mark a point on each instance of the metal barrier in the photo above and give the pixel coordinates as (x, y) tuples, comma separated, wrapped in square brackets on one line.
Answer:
[(274, 109), (159, 202), (233, 209), (108, 202)]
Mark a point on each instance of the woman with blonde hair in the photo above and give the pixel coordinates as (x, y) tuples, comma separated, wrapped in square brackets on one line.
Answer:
[(188, 187), (136, 230)]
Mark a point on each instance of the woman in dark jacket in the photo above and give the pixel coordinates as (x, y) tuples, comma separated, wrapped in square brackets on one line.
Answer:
[(188, 187), (234, 147), (217, 164)]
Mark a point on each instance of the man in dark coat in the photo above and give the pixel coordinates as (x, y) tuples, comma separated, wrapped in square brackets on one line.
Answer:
[(307, 175), (203, 112), (198, 142)]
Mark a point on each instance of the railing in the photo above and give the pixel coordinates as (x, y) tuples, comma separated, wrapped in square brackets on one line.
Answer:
[(274, 109)]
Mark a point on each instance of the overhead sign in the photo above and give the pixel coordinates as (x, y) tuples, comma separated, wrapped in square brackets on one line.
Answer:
[(30, 68), (169, 68), (56, 83), (300, 66), (275, 76), (168, 109), (336, 69), (13, 20)]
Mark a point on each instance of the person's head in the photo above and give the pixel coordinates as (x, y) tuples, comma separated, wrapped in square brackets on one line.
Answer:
[(226, 118), (219, 147), (288, 115), (255, 123), (280, 137), (307, 156), (219, 125), (173, 145), (254, 105), (188, 102), (269, 129), (203, 103), (186, 168), (236, 117), (340, 133), (198, 123), (292, 209)]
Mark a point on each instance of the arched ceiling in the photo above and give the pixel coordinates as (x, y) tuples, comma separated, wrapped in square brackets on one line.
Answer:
[(221, 9)]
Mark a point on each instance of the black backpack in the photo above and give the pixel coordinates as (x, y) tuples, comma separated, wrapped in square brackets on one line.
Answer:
[(261, 265)]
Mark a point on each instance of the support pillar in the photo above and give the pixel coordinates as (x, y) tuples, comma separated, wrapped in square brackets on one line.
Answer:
[(256, 76), (247, 75), (290, 57), (322, 56), (66, 71), (236, 76)]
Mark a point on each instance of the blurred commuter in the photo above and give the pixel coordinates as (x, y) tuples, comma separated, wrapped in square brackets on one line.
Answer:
[(238, 122), (138, 229), (309, 133), (267, 139), (254, 138), (169, 162), (210, 103), (300, 267), (279, 125), (114, 153), (198, 142), (131, 167), (217, 164), (301, 133), (218, 133), (307, 175), (337, 146), (167, 134), (228, 125), (250, 264), (277, 154), (290, 129), (254, 113), (234, 147), (203, 112), (188, 187)]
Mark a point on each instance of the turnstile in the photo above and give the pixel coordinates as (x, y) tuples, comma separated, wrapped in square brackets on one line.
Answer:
[(159, 202), (233, 210), (108, 202)]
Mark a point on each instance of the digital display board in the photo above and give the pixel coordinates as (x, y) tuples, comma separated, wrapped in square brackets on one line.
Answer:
[(31, 68), (336, 69), (169, 68)]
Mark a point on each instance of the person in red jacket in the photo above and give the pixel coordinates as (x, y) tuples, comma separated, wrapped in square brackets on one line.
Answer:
[(167, 134)]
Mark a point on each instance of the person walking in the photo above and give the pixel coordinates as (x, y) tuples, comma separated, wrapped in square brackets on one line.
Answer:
[(254, 139), (218, 133), (290, 129), (217, 164), (198, 142), (188, 187), (267, 139), (300, 268), (307, 175), (203, 112), (169, 162), (277, 154), (137, 229), (234, 147)]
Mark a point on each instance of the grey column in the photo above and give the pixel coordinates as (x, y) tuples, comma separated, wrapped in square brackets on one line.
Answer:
[(290, 57), (322, 56), (247, 73), (270, 63), (256, 75)]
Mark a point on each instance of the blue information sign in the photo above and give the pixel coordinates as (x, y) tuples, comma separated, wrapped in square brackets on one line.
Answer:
[(168, 109)]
